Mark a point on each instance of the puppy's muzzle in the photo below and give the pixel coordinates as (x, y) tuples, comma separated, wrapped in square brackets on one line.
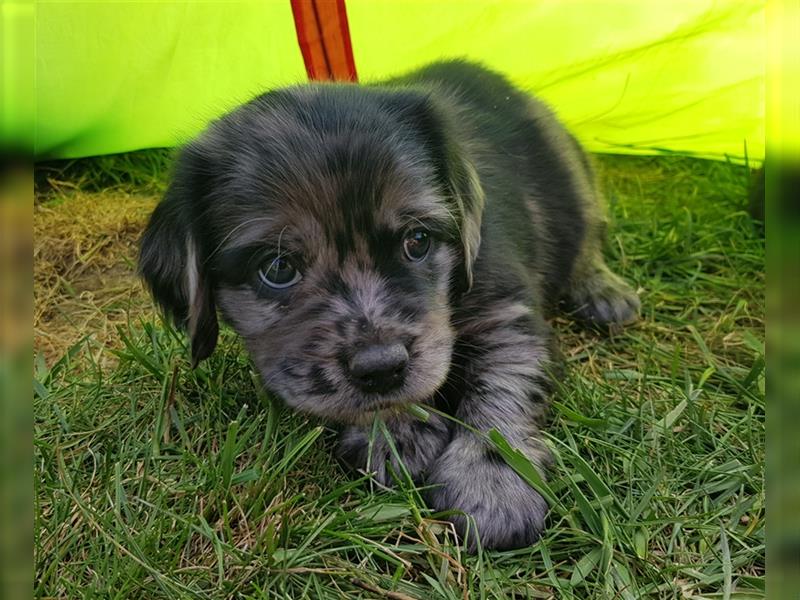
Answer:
[(379, 368)]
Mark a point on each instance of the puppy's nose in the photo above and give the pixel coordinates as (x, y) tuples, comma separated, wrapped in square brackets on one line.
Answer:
[(379, 368)]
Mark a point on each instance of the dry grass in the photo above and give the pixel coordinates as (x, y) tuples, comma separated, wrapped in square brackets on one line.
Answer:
[(84, 268)]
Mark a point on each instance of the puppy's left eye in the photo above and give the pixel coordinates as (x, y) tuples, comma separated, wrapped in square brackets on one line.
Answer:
[(279, 273), (417, 244)]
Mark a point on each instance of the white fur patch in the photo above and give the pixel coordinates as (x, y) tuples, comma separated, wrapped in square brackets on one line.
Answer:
[(192, 284)]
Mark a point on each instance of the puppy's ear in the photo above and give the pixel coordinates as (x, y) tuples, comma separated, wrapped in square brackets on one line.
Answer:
[(170, 260), (437, 126), (461, 178)]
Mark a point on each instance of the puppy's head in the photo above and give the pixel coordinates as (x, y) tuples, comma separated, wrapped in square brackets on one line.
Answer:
[(331, 226)]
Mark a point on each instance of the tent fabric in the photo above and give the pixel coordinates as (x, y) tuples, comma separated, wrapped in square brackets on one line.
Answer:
[(683, 76)]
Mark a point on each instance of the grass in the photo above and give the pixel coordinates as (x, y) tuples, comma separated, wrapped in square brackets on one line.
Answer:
[(155, 481)]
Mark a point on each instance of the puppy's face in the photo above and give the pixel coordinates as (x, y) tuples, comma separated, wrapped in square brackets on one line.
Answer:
[(331, 226), (338, 279)]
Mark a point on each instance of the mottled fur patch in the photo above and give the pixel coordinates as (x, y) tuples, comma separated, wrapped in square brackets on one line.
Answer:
[(333, 180)]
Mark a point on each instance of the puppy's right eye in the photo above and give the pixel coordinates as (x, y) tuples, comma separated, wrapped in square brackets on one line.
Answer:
[(279, 273), (416, 244)]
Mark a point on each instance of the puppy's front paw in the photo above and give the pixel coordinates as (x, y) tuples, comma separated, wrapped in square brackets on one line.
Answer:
[(417, 444), (473, 479), (356, 452)]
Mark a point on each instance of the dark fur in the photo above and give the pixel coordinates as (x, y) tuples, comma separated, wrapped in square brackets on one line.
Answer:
[(335, 174)]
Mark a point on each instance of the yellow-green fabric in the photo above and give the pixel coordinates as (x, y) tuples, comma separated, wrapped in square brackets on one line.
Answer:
[(117, 76), (626, 75)]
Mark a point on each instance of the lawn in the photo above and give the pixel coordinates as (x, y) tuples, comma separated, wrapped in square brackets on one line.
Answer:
[(156, 481)]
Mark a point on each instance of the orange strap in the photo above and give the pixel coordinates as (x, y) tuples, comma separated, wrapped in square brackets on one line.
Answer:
[(324, 38)]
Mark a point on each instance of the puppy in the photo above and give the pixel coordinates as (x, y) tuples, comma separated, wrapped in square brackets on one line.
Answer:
[(382, 245)]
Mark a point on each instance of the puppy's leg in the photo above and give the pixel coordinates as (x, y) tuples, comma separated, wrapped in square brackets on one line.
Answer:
[(505, 388), (417, 443), (595, 294)]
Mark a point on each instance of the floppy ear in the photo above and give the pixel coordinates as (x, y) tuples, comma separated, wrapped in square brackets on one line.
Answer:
[(170, 260), (462, 179), (437, 127)]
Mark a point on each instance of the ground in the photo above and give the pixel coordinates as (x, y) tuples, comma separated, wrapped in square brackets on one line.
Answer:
[(155, 481)]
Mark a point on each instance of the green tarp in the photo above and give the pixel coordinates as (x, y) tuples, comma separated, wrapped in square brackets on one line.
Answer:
[(626, 75)]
